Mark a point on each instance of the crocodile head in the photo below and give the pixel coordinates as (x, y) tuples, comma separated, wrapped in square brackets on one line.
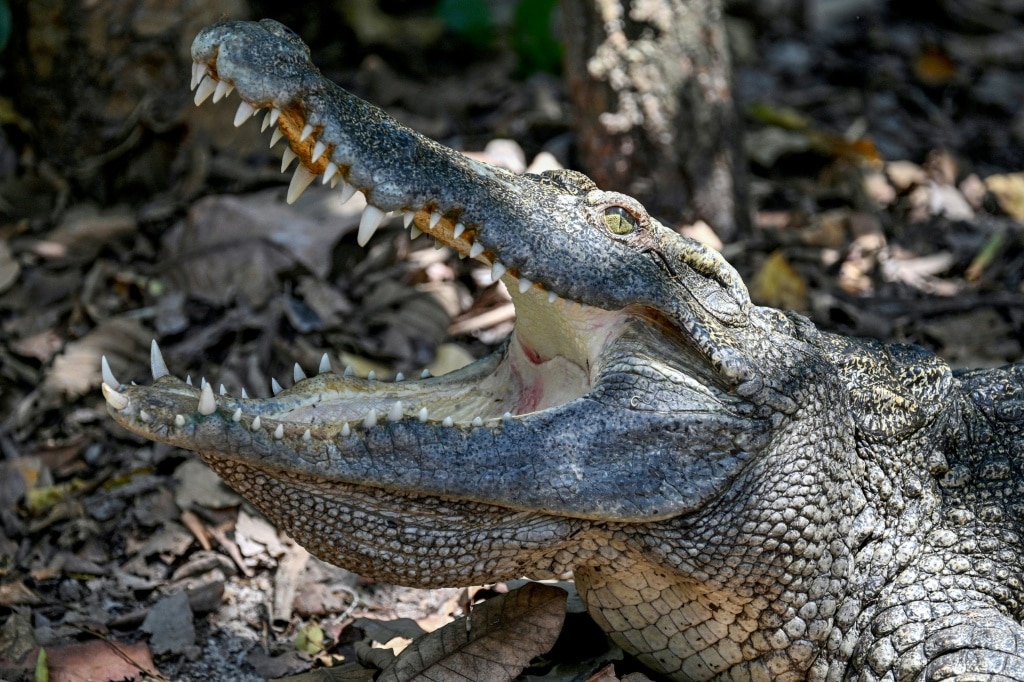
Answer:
[(637, 385)]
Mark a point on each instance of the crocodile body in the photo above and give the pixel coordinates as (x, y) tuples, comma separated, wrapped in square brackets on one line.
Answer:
[(737, 494)]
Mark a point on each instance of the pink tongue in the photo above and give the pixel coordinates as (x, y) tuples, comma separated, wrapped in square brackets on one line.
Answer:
[(530, 393)]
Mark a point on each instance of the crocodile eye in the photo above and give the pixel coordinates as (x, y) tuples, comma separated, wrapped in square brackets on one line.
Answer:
[(619, 220)]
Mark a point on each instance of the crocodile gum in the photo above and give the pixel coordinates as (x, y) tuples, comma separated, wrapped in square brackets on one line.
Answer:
[(738, 495)]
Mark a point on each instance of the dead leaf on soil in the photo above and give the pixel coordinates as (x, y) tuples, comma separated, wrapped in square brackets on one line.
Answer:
[(76, 371), (499, 640), (1009, 192), (779, 285), (100, 661)]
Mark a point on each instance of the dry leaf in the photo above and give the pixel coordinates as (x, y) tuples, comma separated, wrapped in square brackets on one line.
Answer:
[(778, 285), (499, 640), (100, 661), (1009, 192)]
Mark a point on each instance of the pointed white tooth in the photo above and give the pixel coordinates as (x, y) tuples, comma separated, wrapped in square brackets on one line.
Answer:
[(157, 366), (477, 421), (108, 377), (307, 435), (202, 383), (334, 180), (275, 387), (497, 270), (524, 285), (297, 373), (349, 371), (256, 424), (245, 396), (207, 403), (205, 89), (201, 70), (370, 420), (287, 158), (118, 401), (476, 250), (399, 377), (188, 379), (279, 432), (325, 364), (192, 83), (330, 173), (552, 297), (275, 137), (407, 218), (435, 218), (223, 90), (318, 150), (425, 374), (275, 113), (300, 181), (396, 412), (244, 113), (423, 414), (347, 192), (458, 230), (368, 224), (448, 421), (266, 122), (507, 416), (223, 391), (179, 420), (237, 415), (307, 130), (371, 375), (414, 232), (346, 431), (145, 417)]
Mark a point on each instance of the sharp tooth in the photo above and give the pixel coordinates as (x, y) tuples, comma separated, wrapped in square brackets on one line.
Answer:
[(300, 181), (477, 421), (425, 374), (206, 88), (223, 391), (307, 130), (497, 270), (307, 435), (192, 83), (399, 377), (207, 403), (396, 412), (438, 244), (349, 372), (179, 421), (368, 224), (275, 113), (347, 192), (223, 90), (414, 232), (279, 432), (237, 415), (256, 424), (476, 250), (118, 401), (423, 415), (188, 379), (371, 375), (325, 364), (108, 376), (448, 421), (245, 396), (266, 122), (145, 417), (552, 297), (201, 70), (524, 285), (507, 416), (459, 229), (435, 218), (370, 420), (318, 150), (244, 113), (275, 137), (330, 173), (275, 387), (297, 373), (287, 158), (407, 219), (334, 180), (346, 431), (202, 383)]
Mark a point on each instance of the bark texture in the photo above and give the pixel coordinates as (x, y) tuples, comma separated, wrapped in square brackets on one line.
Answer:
[(651, 83)]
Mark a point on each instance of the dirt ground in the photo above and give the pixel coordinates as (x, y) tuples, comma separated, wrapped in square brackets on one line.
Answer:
[(887, 161)]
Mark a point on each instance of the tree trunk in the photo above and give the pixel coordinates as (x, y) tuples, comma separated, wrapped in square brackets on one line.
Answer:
[(652, 86)]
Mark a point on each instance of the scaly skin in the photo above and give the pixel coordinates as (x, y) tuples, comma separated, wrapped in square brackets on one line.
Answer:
[(738, 495)]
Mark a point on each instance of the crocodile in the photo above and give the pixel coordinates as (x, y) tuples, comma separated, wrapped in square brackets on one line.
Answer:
[(737, 494)]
